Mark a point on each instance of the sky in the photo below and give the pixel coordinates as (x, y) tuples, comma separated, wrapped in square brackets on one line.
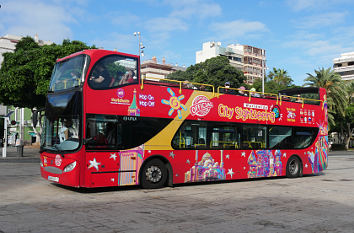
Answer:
[(298, 35)]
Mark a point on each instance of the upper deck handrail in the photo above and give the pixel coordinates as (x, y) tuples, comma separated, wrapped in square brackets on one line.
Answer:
[(249, 93), (181, 84), (191, 85)]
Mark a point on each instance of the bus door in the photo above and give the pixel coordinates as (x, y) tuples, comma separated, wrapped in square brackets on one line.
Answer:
[(107, 165)]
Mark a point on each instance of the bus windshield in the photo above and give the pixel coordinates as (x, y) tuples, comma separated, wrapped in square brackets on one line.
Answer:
[(61, 133), (68, 73)]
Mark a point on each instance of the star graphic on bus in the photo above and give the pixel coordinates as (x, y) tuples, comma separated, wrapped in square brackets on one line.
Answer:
[(175, 103), (94, 163), (172, 154), (113, 156), (230, 172)]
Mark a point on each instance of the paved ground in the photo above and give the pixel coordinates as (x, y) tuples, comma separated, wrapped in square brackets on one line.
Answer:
[(322, 203), (30, 154)]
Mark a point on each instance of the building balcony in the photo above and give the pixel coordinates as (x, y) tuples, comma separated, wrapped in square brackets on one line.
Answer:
[(343, 69), (347, 77)]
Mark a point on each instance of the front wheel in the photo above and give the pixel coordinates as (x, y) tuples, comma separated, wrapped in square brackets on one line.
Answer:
[(154, 174), (293, 168)]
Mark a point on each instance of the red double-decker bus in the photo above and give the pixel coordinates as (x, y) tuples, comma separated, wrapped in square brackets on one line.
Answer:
[(105, 126)]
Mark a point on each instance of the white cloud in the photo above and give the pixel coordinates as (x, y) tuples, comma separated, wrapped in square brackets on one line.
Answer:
[(48, 20), (194, 8), (298, 5), (125, 43), (321, 20), (165, 24), (238, 28), (301, 5), (123, 19)]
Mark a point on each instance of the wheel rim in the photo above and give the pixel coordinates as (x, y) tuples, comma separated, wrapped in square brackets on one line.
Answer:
[(293, 167), (153, 174)]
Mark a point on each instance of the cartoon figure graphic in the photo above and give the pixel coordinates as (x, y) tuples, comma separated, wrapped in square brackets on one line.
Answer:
[(206, 170), (271, 163), (175, 103), (252, 172), (133, 109), (264, 164), (278, 166)]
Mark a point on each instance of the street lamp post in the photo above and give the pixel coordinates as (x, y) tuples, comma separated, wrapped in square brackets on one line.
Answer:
[(140, 44)]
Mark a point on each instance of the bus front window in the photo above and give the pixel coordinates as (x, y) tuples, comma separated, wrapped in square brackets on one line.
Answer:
[(68, 74), (61, 133)]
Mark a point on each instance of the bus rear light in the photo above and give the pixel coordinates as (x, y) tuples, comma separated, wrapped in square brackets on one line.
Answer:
[(70, 167)]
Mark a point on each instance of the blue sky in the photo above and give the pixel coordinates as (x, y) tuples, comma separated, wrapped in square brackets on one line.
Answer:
[(298, 35)]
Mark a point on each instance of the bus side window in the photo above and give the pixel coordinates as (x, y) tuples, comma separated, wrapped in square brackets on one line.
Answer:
[(280, 137), (254, 137)]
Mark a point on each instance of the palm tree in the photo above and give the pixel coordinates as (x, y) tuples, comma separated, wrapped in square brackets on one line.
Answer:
[(280, 76), (336, 91)]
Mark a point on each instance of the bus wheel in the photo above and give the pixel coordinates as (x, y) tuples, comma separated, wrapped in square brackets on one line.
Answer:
[(154, 174), (293, 168)]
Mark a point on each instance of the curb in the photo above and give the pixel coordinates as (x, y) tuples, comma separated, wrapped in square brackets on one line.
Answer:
[(19, 160)]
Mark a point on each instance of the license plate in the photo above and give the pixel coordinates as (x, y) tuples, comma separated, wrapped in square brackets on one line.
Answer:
[(52, 178)]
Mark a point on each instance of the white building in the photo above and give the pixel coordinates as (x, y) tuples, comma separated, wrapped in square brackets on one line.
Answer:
[(249, 59), (8, 44), (153, 69), (344, 66)]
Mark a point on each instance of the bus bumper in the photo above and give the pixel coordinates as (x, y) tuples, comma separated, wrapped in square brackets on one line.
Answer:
[(58, 170)]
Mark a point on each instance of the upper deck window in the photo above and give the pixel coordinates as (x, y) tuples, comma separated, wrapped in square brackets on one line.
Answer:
[(113, 71), (68, 73)]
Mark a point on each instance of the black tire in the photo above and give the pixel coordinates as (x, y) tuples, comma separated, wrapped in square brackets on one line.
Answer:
[(293, 167), (153, 174)]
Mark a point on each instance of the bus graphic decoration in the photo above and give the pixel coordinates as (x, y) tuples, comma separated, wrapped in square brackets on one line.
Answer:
[(276, 111), (206, 169), (133, 109), (175, 103), (262, 163)]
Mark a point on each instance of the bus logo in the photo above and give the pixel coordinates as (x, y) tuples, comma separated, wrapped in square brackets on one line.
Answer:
[(58, 160), (201, 106), (120, 93)]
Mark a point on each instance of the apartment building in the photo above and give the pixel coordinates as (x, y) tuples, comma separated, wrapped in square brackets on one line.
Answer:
[(153, 69), (344, 66), (249, 59)]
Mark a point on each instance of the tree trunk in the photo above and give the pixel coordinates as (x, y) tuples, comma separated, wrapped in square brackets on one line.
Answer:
[(349, 136)]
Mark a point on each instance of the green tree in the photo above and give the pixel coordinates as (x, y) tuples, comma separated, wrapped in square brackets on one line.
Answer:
[(276, 80), (337, 97), (215, 71), (25, 73), (280, 77)]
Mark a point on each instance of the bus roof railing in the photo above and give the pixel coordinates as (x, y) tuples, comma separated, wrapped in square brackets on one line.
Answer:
[(236, 91), (181, 84), (248, 93)]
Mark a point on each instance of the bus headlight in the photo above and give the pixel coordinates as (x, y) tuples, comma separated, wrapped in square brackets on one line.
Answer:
[(70, 167)]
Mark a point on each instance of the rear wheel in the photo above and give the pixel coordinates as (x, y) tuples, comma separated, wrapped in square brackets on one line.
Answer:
[(293, 168), (154, 174)]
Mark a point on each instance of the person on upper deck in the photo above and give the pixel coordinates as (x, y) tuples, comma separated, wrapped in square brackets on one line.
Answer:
[(100, 77), (129, 77)]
